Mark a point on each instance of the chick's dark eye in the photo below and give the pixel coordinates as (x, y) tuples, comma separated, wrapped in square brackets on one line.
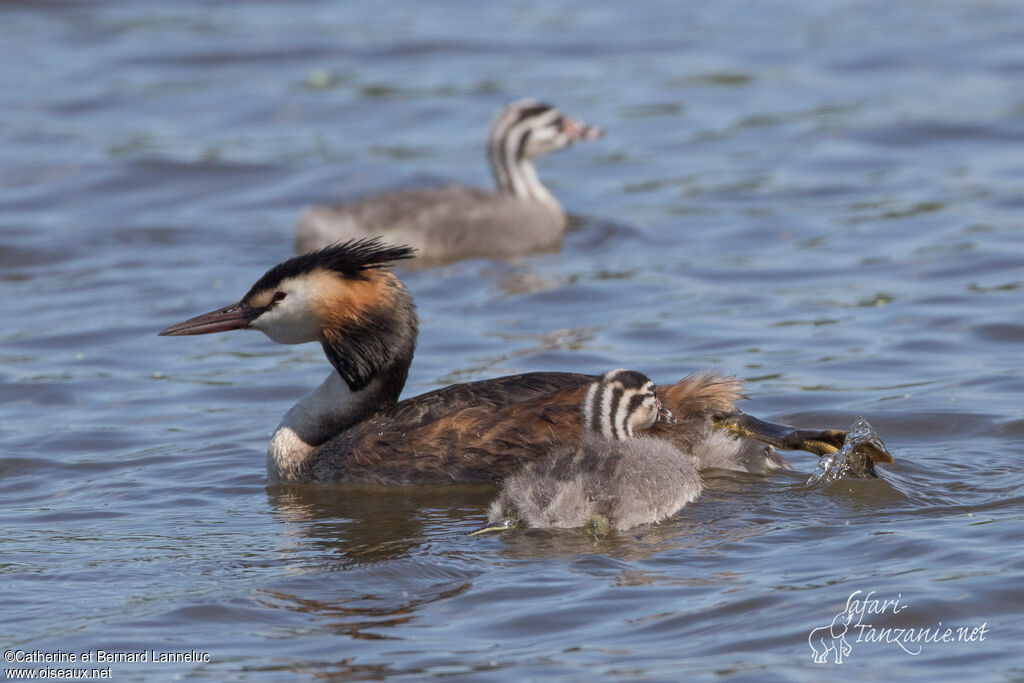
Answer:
[(279, 296)]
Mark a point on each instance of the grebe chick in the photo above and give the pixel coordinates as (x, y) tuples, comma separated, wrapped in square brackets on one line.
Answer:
[(609, 478), (456, 222), (353, 427)]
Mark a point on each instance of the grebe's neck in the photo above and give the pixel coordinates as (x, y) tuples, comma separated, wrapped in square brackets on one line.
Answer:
[(321, 414), (522, 181), (513, 171)]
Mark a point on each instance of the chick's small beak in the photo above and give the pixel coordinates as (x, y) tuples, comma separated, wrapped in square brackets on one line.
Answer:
[(233, 317), (579, 131), (665, 415)]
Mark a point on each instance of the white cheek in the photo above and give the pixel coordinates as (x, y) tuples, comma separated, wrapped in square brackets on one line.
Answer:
[(279, 326), (292, 321)]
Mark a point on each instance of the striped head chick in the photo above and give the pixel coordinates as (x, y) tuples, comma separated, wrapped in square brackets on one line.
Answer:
[(610, 478), (620, 403), (523, 131)]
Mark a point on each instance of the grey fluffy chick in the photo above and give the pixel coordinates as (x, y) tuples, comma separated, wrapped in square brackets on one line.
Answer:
[(455, 222), (610, 478)]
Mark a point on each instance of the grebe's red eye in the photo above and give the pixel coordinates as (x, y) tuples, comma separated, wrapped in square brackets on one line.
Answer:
[(279, 296)]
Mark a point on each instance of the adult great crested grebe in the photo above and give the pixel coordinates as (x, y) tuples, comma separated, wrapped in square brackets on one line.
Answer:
[(609, 477), (456, 222), (352, 427)]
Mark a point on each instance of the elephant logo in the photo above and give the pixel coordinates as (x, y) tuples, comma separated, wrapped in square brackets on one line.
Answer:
[(832, 639)]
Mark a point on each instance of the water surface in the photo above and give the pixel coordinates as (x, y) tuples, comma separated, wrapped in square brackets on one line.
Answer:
[(822, 199)]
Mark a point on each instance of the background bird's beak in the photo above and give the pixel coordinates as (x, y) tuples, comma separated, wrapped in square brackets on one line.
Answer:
[(233, 317), (579, 131), (665, 415)]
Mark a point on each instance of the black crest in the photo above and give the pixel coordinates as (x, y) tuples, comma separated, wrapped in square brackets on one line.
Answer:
[(348, 259)]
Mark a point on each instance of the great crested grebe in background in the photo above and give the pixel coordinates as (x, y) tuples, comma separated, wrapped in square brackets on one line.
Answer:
[(455, 222), (609, 477), (352, 427)]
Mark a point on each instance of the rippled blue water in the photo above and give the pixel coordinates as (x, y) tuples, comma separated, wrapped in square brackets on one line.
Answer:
[(821, 198)]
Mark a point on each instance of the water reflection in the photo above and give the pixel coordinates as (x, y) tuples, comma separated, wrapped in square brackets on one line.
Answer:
[(368, 523)]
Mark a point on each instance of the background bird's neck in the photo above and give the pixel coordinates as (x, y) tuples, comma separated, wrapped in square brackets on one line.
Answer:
[(518, 176)]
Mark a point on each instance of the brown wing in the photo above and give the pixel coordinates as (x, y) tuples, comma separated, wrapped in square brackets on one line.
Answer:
[(488, 393), (477, 431)]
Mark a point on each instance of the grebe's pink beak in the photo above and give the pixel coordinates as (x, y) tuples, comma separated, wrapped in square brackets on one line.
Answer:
[(233, 317)]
